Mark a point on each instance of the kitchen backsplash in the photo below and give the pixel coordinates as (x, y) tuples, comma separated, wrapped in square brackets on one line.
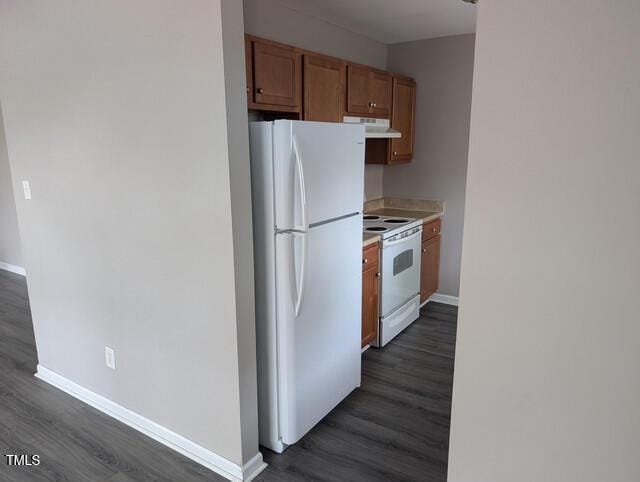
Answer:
[(404, 203), (372, 181)]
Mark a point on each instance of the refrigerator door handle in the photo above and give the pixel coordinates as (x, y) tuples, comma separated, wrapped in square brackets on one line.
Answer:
[(303, 192), (303, 274)]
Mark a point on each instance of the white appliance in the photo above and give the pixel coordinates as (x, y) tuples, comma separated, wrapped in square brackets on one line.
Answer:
[(400, 272), (307, 185), (374, 128)]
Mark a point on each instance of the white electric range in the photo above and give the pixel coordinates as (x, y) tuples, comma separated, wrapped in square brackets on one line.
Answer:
[(399, 300)]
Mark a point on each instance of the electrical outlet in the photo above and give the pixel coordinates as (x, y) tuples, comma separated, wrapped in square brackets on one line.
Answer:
[(26, 187), (110, 357)]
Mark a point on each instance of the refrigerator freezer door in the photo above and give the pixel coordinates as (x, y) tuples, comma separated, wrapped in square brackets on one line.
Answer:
[(319, 349), (318, 172)]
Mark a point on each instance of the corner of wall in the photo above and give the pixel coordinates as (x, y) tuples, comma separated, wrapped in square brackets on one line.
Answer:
[(11, 258), (241, 214)]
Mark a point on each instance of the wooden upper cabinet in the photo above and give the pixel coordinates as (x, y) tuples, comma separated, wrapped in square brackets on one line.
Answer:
[(402, 119), (277, 76), (368, 91), (380, 92), (358, 97), (311, 86), (324, 88)]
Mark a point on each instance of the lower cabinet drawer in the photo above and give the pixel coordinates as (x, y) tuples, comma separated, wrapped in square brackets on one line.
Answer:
[(431, 229), (370, 256)]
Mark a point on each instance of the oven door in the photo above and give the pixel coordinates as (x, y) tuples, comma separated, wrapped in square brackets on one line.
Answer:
[(400, 270)]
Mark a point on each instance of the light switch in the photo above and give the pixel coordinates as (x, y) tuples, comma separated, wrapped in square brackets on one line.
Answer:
[(26, 187), (110, 357)]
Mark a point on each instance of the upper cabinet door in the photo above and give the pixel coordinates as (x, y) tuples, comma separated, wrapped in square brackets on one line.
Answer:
[(276, 75), (358, 98), (324, 88), (380, 93), (369, 92), (402, 117)]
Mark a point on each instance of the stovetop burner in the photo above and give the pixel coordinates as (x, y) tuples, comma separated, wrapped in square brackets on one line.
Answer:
[(388, 226), (396, 221), (377, 229)]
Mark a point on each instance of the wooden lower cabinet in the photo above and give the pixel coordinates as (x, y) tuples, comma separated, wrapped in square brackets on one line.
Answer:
[(370, 289), (431, 229), (430, 267)]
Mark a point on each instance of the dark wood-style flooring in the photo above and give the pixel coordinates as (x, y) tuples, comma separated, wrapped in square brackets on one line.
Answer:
[(395, 427)]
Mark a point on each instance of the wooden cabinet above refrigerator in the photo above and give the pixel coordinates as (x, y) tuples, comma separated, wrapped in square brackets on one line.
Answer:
[(289, 82)]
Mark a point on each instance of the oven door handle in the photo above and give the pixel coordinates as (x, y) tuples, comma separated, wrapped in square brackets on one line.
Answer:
[(388, 244)]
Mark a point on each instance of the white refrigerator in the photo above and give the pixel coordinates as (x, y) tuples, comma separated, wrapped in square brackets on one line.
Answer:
[(307, 187)]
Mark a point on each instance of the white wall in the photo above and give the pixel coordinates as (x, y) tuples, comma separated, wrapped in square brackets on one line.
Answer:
[(443, 69), (10, 251), (116, 111), (277, 21), (548, 354)]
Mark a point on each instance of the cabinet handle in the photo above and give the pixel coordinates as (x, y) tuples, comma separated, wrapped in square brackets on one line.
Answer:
[(434, 230), (424, 250), (260, 90), (377, 275), (370, 104), (375, 104), (395, 153), (365, 261)]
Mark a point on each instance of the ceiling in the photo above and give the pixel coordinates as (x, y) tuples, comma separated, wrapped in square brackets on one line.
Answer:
[(393, 21)]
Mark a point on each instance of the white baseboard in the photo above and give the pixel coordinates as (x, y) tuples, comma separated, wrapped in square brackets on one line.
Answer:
[(446, 299), (252, 468), (174, 441), (13, 269)]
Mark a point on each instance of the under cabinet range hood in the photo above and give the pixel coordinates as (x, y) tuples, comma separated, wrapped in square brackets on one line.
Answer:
[(374, 128)]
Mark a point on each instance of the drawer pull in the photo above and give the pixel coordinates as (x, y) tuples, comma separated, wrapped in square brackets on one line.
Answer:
[(365, 261), (424, 250), (395, 153), (260, 90)]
